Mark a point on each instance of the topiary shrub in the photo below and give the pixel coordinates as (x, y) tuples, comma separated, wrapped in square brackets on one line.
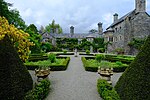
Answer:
[(99, 57), (15, 79), (52, 57), (64, 51), (87, 52), (134, 84)]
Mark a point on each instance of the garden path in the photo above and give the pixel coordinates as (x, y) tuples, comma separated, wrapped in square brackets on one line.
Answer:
[(75, 83)]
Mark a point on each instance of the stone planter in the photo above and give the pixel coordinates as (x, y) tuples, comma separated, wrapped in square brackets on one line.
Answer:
[(106, 74), (42, 73)]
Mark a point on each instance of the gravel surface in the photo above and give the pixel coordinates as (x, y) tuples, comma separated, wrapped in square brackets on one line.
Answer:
[(75, 83)]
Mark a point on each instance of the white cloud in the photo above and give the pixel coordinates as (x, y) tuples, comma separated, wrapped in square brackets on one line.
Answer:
[(82, 14)]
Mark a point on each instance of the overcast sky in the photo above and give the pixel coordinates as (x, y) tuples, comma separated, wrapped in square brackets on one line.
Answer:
[(82, 14)]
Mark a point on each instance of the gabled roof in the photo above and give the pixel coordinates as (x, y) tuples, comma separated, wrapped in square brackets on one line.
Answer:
[(130, 14)]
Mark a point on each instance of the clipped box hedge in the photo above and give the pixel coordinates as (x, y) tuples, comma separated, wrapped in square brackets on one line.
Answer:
[(53, 67), (94, 69), (106, 91), (39, 92), (64, 54)]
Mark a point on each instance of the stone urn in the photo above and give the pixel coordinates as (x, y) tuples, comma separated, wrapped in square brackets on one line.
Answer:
[(42, 73), (105, 73)]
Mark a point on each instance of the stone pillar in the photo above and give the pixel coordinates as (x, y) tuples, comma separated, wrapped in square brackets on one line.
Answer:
[(115, 17), (100, 29)]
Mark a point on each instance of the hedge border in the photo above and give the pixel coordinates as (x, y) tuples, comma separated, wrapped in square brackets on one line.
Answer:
[(94, 69), (40, 91), (106, 91), (62, 67)]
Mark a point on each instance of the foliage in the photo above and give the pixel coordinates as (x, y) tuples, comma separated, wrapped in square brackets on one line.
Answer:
[(67, 43), (93, 31), (60, 64), (119, 50), (134, 84), (12, 16), (35, 37), (18, 37), (52, 57), (40, 91), (64, 51), (46, 46), (136, 43), (87, 51), (52, 28), (99, 57), (15, 78), (99, 44), (85, 44), (101, 50), (92, 65), (106, 91)]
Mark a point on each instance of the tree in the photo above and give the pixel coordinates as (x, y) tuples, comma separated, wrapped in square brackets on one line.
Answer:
[(15, 78), (12, 16), (18, 37), (53, 28), (35, 37), (134, 84), (93, 31)]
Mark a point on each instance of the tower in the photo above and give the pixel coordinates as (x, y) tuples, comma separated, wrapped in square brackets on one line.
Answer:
[(140, 6)]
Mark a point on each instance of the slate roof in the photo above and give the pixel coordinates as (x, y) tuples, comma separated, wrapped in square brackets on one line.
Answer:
[(68, 35), (130, 14)]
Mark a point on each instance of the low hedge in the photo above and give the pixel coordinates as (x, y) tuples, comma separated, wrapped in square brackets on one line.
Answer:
[(106, 91), (53, 67), (87, 67), (86, 54), (39, 92), (64, 54), (94, 69), (122, 58)]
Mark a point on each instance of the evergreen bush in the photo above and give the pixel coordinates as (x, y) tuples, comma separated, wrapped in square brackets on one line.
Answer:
[(15, 79), (134, 84)]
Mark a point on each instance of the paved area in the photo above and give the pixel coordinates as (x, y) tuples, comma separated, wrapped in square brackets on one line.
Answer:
[(75, 83)]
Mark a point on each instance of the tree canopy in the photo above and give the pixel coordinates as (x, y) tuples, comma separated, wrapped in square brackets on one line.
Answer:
[(12, 15), (53, 28)]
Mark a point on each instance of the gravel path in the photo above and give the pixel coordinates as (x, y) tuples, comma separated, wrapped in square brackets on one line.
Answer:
[(74, 83)]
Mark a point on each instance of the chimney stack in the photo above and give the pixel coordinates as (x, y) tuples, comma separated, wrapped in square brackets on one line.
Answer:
[(140, 6), (115, 17), (72, 30), (100, 29)]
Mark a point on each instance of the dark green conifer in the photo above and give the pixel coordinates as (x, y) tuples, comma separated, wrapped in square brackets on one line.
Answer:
[(134, 84), (15, 79)]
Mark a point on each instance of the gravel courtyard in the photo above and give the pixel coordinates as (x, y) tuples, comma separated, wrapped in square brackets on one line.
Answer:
[(75, 83)]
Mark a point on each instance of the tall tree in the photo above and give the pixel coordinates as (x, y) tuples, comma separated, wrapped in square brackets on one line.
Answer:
[(12, 16), (53, 28), (35, 37)]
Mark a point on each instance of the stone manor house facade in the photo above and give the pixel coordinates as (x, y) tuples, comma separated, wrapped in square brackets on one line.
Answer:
[(135, 24)]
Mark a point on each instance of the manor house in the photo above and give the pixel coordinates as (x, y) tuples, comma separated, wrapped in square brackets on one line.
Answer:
[(135, 24)]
